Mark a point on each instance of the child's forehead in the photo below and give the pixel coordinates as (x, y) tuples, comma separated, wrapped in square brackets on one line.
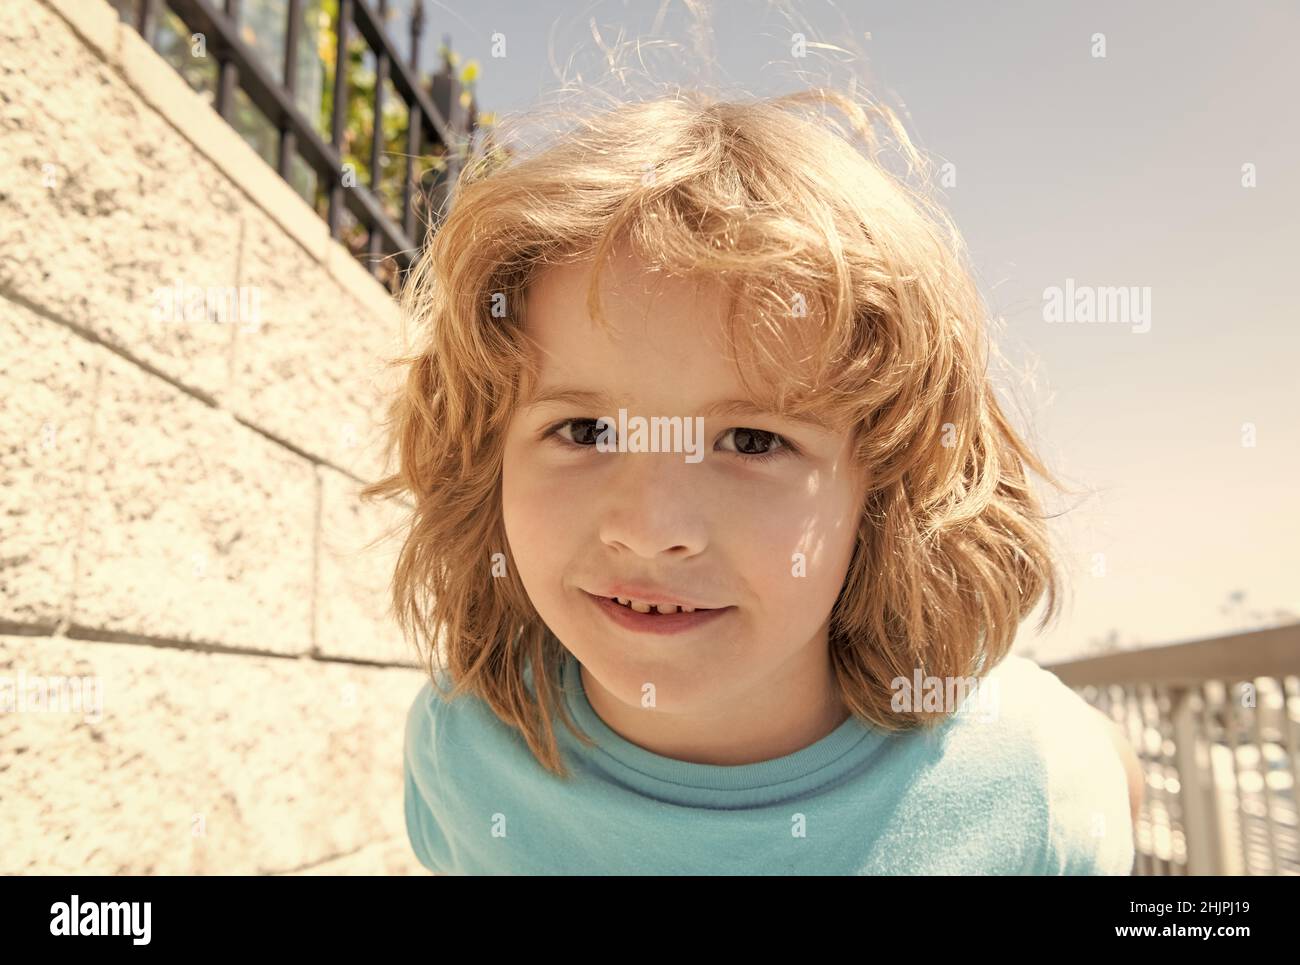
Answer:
[(676, 330), (636, 372), (648, 320), (629, 286), (640, 375)]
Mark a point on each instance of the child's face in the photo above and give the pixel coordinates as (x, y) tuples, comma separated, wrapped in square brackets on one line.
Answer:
[(725, 531)]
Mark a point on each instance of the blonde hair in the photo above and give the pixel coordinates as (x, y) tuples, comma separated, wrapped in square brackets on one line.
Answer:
[(851, 294)]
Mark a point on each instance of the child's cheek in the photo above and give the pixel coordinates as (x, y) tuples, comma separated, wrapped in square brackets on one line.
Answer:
[(800, 553), (533, 508)]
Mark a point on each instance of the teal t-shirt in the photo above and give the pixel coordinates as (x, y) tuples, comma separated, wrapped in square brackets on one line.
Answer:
[(1023, 780)]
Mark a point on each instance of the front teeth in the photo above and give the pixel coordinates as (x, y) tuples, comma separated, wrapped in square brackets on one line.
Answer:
[(640, 607)]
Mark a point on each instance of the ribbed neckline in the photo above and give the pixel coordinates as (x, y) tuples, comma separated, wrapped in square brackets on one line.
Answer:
[(690, 783)]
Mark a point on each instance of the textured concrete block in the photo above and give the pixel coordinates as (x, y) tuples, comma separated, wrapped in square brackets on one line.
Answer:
[(354, 608), (156, 81), (47, 384), (196, 527), (95, 21), (198, 763), (355, 278), (104, 209), (312, 373)]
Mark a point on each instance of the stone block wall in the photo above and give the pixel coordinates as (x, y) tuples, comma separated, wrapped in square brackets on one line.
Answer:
[(180, 531)]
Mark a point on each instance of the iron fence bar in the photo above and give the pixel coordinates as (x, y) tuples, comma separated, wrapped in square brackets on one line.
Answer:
[(145, 18), (228, 69), (374, 245), (413, 127), (451, 88), (292, 35), (270, 97), (342, 30), (404, 82), (242, 68)]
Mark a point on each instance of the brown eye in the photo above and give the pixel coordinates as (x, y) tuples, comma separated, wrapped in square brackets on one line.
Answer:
[(752, 445), (759, 445), (754, 442), (585, 432)]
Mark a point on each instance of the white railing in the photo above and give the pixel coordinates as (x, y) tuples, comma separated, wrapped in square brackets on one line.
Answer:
[(1216, 724)]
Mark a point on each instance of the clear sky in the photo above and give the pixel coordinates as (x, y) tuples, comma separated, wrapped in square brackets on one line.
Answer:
[(1122, 170)]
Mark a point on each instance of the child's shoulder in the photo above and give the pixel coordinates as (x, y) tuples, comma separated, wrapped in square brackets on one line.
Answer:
[(456, 732), (437, 720), (424, 728), (1081, 784), (451, 750), (429, 702), (1022, 778)]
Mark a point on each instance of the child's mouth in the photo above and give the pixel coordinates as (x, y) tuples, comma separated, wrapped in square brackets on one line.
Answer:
[(654, 621), (666, 609)]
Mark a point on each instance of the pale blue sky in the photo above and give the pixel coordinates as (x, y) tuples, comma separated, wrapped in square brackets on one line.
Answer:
[(1122, 171)]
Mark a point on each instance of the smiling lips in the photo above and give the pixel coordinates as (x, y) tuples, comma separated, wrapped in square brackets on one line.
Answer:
[(647, 597), (641, 619)]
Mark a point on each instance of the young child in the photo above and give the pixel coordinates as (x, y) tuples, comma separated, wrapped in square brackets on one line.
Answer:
[(720, 538)]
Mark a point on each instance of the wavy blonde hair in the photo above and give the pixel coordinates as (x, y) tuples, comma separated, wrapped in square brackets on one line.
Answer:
[(851, 300)]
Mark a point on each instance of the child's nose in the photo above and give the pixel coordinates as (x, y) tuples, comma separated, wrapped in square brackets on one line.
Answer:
[(657, 503)]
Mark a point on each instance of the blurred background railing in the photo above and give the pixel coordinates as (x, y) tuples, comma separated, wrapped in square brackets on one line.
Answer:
[(321, 90), (1215, 724)]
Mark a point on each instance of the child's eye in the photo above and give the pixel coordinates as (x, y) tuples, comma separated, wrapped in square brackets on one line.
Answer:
[(587, 432), (747, 439)]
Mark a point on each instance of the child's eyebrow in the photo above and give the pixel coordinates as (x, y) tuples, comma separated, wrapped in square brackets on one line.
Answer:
[(560, 394)]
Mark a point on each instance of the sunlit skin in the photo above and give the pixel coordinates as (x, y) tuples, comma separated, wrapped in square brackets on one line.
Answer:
[(756, 684)]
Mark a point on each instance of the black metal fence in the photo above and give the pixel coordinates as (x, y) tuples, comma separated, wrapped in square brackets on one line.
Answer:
[(440, 116)]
